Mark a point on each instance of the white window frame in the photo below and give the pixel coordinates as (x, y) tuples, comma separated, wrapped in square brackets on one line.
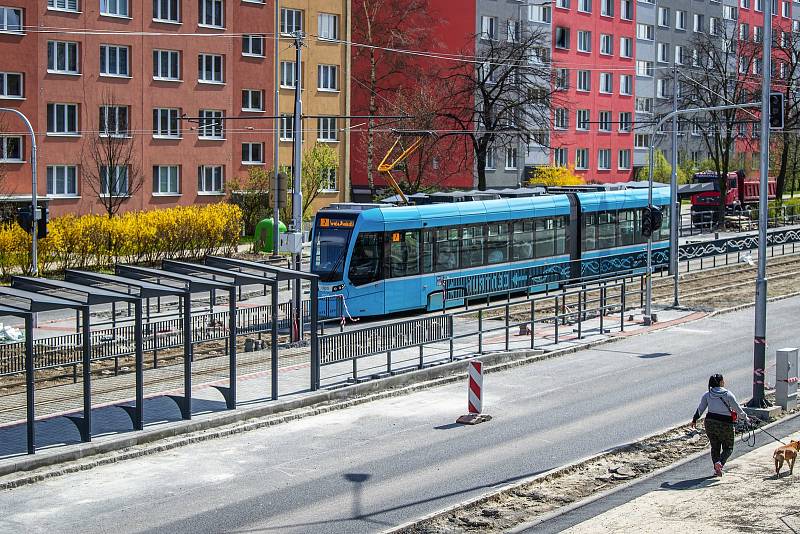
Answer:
[(662, 52), (680, 20), (511, 158), (70, 50), (584, 6), (4, 86), (211, 175), (664, 18), (584, 82), (287, 127), (606, 83), (562, 44), (211, 126), (678, 54), (606, 44), (68, 179), (107, 63), (584, 41), (173, 59), (540, 14), (604, 159), (65, 110), (217, 67), (67, 6), (625, 47), (490, 164), (561, 121), (291, 20), (169, 175), (329, 181), (115, 8), (581, 159), (604, 121), (560, 156), (489, 29), (328, 74), (698, 23), (120, 173), (288, 74), (644, 68), (247, 150), (247, 98), (163, 11), (625, 84), (645, 32), (606, 8), (625, 122), (166, 123), (327, 130), (626, 9), (106, 112), (208, 15), (327, 27), (624, 159), (251, 42), (583, 120), (5, 24), (562, 79), (5, 142)]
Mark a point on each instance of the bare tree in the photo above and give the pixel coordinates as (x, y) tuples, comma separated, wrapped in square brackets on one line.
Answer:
[(109, 164), (382, 25), (504, 97), (722, 70), (786, 60), (432, 163)]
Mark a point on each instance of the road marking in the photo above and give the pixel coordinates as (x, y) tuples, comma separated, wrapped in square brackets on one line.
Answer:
[(690, 330)]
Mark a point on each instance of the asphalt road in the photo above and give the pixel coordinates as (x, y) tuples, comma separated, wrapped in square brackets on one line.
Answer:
[(378, 465)]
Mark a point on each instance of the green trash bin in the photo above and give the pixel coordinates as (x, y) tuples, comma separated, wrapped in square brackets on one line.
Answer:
[(263, 235)]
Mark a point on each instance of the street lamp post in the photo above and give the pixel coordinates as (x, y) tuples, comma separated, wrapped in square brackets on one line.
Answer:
[(34, 186)]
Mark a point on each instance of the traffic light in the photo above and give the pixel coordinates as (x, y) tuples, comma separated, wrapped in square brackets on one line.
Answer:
[(776, 111), (647, 222), (25, 218), (283, 186)]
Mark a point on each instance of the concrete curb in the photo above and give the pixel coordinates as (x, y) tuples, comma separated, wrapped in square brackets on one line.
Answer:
[(226, 423)]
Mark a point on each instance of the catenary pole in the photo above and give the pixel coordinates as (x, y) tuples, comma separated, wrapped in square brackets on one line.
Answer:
[(34, 190), (276, 136), (674, 209), (760, 334), (297, 192)]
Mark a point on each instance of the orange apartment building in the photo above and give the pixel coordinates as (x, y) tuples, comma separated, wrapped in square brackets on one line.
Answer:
[(162, 74)]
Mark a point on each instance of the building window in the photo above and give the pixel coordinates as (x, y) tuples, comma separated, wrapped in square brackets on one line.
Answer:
[(606, 44), (759, 5), (585, 6), (166, 10), (252, 100), (287, 127), (625, 84), (582, 122), (114, 8), (641, 141), (626, 10), (699, 23), (606, 83), (581, 159), (62, 180), (604, 159), (607, 8), (661, 88), (541, 14), (326, 129), (288, 74), (63, 5), (62, 57), (10, 20), (562, 38), (114, 121), (625, 47), (513, 31), (745, 4), (560, 156), (584, 80), (327, 26), (328, 181), (644, 68), (291, 21), (604, 121), (11, 85), (625, 122), (114, 60), (490, 163), (662, 55), (562, 119), (584, 41), (209, 68), (511, 158), (680, 19), (114, 181), (663, 17), (212, 13), (62, 119), (713, 25), (562, 79), (678, 55), (645, 32), (644, 104), (166, 65), (165, 123), (211, 124), (252, 153), (165, 180), (624, 160), (211, 179), (562, 4), (11, 149), (328, 78), (489, 28), (253, 45), (785, 9)]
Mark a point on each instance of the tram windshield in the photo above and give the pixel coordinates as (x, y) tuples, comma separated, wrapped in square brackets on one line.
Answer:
[(330, 251)]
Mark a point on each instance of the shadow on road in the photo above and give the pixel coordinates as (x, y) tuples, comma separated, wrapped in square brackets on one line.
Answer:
[(692, 483)]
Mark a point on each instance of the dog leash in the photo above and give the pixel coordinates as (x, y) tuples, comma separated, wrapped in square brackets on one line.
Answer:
[(748, 432)]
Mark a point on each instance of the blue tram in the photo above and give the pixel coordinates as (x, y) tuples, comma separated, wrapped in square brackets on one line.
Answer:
[(388, 259)]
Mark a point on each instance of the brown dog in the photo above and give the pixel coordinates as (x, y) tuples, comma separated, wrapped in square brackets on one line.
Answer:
[(787, 453)]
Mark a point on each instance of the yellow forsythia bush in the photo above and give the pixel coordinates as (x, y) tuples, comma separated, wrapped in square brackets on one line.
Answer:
[(96, 241)]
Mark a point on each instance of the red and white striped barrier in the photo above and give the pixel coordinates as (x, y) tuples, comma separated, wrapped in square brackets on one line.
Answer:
[(475, 387), (474, 395)]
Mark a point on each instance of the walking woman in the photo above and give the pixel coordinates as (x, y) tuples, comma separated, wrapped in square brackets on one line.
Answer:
[(723, 411)]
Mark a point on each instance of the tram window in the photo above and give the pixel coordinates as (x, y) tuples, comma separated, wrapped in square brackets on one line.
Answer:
[(626, 228), (522, 248), (497, 243), (427, 251), (637, 228), (447, 240), (472, 247), (589, 231), (664, 230), (544, 237), (365, 265), (403, 253), (607, 229), (561, 235)]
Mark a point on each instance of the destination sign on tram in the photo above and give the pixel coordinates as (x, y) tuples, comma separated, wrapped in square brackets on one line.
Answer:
[(336, 223)]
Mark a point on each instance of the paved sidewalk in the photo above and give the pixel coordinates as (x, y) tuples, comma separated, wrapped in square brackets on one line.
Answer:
[(748, 498)]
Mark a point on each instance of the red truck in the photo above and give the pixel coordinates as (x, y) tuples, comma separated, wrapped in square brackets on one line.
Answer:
[(742, 193)]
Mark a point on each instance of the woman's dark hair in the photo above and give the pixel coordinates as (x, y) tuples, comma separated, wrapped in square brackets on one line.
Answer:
[(714, 381)]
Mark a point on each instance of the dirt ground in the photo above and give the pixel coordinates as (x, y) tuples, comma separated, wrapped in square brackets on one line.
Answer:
[(524, 503)]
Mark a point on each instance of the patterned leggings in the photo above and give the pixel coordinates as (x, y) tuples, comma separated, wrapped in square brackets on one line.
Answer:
[(720, 434)]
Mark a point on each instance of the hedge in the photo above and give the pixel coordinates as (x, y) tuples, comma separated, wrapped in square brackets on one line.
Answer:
[(97, 241)]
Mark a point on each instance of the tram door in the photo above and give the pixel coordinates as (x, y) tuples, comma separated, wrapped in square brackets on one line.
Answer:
[(365, 274), (403, 286)]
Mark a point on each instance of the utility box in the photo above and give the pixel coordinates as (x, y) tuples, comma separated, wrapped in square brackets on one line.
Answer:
[(291, 242), (264, 231), (786, 378)]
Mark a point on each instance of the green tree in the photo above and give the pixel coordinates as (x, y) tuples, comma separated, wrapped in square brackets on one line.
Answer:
[(320, 163), (252, 194), (662, 171)]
